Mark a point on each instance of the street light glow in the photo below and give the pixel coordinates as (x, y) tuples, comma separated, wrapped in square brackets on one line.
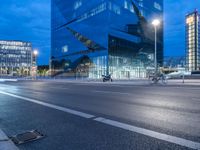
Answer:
[(35, 52), (156, 22)]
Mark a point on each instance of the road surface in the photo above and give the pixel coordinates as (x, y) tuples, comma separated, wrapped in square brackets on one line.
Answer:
[(94, 116)]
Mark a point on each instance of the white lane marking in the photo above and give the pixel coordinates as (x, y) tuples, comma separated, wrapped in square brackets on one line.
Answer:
[(148, 86), (182, 87), (6, 143), (150, 133), (108, 92), (64, 88), (114, 92), (74, 112)]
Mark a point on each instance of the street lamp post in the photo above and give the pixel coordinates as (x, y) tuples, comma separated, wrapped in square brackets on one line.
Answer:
[(35, 54), (155, 23)]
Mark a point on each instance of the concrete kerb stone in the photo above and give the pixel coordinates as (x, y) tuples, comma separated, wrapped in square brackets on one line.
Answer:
[(6, 143)]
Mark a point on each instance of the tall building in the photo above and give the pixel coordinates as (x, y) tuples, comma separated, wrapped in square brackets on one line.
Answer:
[(15, 57), (100, 37), (174, 61), (193, 41)]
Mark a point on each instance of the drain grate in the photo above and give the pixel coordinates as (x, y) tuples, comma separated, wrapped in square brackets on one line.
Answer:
[(27, 137)]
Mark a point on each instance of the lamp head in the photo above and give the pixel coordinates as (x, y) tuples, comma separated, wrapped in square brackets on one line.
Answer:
[(35, 52), (156, 22)]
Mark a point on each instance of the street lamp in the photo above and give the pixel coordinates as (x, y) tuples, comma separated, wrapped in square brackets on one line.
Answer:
[(155, 23), (35, 54)]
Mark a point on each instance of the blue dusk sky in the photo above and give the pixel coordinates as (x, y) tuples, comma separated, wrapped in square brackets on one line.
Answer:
[(29, 20)]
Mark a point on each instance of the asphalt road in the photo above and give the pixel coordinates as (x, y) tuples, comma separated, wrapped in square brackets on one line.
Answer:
[(62, 115)]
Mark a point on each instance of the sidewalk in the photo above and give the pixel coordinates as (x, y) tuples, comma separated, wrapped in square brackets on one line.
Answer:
[(6, 143)]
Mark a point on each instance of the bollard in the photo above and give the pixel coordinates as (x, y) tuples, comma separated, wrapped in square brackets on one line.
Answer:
[(183, 78)]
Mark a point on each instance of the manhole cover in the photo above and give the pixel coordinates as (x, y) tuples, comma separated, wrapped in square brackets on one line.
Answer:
[(27, 137)]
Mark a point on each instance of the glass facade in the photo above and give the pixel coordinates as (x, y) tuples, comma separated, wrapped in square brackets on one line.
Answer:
[(15, 57), (100, 37), (193, 41), (174, 61)]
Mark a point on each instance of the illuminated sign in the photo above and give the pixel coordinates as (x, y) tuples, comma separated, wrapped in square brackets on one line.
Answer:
[(190, 20)]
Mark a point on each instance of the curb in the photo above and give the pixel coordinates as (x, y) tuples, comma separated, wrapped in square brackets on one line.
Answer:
[(8, 80), (6, 143)]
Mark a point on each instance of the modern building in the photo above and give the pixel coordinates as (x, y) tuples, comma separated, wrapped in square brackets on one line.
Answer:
[(15, 57), (193, 41), (101, 37), (174, 61)]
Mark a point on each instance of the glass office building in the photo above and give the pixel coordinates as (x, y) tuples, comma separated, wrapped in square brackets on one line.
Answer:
[(174, 61), (15, 57), (193, 41), (101, 37)]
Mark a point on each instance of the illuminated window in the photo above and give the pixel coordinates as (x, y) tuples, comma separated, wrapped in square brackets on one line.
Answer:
[(125, 4), (77, 4), (129, 6), (190, 20), (157, 6), (65, 49)]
